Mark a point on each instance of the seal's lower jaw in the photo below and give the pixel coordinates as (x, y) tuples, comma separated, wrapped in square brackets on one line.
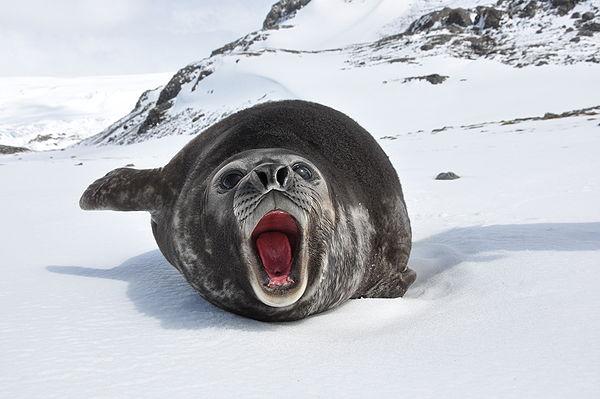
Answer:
[(280, 278)]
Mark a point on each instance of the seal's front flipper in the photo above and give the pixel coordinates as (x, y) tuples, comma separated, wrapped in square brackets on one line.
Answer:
[(126, 189)]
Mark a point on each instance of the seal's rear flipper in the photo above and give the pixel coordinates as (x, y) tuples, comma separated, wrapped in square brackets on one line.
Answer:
[(393, 286), (126, 189)]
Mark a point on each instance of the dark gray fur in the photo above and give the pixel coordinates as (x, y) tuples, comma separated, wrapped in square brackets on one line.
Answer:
[(360, 250)]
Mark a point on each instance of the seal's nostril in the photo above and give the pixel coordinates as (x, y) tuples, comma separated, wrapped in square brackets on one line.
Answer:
[(281, 176), (264, 179)]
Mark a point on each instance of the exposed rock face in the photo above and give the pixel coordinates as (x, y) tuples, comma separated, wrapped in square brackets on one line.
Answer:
[(482, 45), (564, 6), (436, 40), (529, 10), (40, 138), (151, 107), (447, 176), (434, 79), (589, 29), (7, 149), (488, 18), (170, 91), (460, 17), (590, 111), (444, 18), (496, 33), (586, 16), (282, 11)]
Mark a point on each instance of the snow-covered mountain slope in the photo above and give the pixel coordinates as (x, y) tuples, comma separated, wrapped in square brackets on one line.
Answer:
[(502, 60), (44, 113), (505, 304)]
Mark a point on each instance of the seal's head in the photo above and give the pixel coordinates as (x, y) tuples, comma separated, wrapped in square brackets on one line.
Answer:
[(275, 207), (277, 212)]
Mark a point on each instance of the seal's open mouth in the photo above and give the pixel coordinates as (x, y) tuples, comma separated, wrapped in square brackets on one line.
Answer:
[(276, 238)]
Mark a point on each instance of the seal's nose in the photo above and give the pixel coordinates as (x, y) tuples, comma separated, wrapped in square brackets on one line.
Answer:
[(271, 176)]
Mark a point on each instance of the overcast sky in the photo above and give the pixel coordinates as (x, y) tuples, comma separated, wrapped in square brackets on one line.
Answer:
[(91, 37)]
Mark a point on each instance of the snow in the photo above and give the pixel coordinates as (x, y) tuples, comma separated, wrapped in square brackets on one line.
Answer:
[(336, 23), (66, 109), (506, 303), (328, 24), (485, 90), (506, 300), (334, 57), (216, 96)]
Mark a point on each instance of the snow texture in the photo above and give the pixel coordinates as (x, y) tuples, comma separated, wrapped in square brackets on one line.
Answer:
[(505, 304)]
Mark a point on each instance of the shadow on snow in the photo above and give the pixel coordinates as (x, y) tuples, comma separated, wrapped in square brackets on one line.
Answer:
[(159, 291)]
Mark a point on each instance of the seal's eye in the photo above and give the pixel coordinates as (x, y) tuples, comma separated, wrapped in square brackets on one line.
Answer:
[(230, 180), (303, 170)]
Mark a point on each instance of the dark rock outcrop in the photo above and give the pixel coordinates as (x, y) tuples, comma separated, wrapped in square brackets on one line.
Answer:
[(590, 111), (587, 16), (447, 176), (589, 29), (488, 18), (436, 40), (444, 18), (40, 138), (460, 17), (563, 6), (282, 11), (529, 10), (482, 45), (170, 91), (183, 76), (8, 149), (434, 79)]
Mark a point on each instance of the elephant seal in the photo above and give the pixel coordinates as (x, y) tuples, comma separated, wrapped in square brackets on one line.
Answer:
[(277, 212)]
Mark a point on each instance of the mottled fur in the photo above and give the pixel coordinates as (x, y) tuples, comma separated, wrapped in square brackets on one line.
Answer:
[(357, 246)]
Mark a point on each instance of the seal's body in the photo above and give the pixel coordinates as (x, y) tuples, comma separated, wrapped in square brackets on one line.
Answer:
[(277, 212)]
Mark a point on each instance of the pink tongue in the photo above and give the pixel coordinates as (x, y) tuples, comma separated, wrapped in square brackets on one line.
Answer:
[(276, 255)]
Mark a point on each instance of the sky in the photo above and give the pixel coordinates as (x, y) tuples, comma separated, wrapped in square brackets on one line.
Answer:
[(108, 37)]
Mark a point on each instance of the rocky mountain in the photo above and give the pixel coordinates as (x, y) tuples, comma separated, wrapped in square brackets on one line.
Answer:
[(352, 54)]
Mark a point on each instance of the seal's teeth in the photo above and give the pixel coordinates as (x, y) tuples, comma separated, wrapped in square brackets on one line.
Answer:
[(280, 282)]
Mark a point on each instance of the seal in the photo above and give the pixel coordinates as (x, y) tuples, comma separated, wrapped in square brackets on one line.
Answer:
[(277, 212)]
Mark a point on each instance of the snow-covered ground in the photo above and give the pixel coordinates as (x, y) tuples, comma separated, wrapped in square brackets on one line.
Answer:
[(505, 305), (45, 113)]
